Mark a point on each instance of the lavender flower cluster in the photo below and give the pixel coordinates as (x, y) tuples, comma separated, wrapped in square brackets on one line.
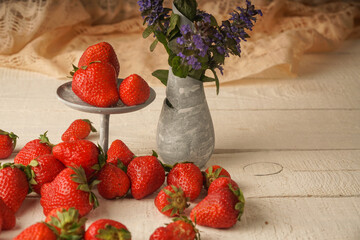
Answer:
[(202, 45)]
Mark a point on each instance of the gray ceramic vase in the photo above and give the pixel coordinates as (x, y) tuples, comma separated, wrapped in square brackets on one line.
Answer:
[(185, 130)]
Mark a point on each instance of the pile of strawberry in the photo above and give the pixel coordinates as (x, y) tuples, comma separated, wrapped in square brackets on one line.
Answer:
[(65, 174), (96, 76)]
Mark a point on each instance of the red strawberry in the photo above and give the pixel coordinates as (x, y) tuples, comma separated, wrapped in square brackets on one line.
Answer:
[(187, 176), (7, 144), (7, 216), (214, 172), (78, 129), (171, 201), (68, 189), (134, 90), (221, 183), (113, 182), (45, 169), (146, 176), (119, 151), (33, 149), (78, 153), (67, 222), (183, 229), (103, 52), (14, 186), (162, 233), (221, 208), (37, 231), (107, 229), (96, 84)]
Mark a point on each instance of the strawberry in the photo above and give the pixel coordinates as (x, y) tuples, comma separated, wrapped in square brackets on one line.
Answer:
[(67, 222), (69, 189), (187, 176), (96, 84), (221, 183), (7, 143), (37, 231), (7, 216), (78, 153), (162, 233), (78, 129), (183, 229), (119, 151), (33, 149), (113, 182), (214, 172), (103, 52), (222, 207), (14, 185), (171, 201), (45, 169), (107, 229), (146, 176), (134, 90)]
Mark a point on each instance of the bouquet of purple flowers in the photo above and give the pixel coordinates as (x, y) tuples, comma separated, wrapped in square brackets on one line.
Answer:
[(200, 45)]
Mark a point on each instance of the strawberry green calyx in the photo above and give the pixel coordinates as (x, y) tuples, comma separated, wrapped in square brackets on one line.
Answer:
[(80, 178), (44, 139), (12, 135), (241, 203), (211, 175), (69, 223), (92, 128), (101, 159), (112, 233), (177, 201)]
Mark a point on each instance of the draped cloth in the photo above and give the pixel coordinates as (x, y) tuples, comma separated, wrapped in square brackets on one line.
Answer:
[(48, 36)]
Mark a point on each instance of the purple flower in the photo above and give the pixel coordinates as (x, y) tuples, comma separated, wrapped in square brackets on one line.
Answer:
[(193, 62), (185, 29), (151, 10)]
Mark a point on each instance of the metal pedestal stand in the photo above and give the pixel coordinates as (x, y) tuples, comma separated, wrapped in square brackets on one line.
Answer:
[(68, 97)]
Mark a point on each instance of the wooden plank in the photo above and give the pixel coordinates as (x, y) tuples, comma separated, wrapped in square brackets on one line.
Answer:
[(234, 130), (279, 218)]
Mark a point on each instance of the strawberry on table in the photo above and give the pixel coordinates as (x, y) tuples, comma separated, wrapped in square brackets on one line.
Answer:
[(134, 90), (214, 172), (161, 233), (187, 176), (107, 229), (67, 222), (38, 231), (96, 84), (34, 149), (114, 182), (69, 189), (78, 153), (181, 228), (119, 151), (7, 143), (7, 216), (103, 52), (14, 185), (45, 168), (171, 201), (78, 129), (146, 176), (222, 207)]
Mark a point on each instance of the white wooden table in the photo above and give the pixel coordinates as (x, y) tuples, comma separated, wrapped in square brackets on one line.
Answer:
[(292, 145)]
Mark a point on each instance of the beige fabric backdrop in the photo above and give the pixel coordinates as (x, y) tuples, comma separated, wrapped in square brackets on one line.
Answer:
[(49, 36)]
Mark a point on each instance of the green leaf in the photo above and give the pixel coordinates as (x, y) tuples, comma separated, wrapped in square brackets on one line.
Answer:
[(153, 45), (162, 75), (178, 68), (148, 31), (174, 20), (187, 7)]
